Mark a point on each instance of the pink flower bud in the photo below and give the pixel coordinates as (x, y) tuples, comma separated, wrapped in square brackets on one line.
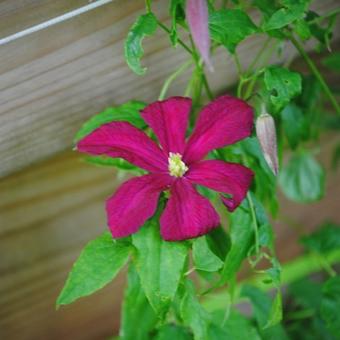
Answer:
[(197, 16), (266, 134)]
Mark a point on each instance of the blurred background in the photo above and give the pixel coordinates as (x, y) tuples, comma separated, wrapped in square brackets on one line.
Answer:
[(51, 201)]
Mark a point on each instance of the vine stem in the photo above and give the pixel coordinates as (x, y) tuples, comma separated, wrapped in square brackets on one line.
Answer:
[(315, 71), (172, 77), (253, 216)]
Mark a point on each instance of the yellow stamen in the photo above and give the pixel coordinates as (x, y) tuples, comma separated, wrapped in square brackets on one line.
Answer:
[(177, 167)]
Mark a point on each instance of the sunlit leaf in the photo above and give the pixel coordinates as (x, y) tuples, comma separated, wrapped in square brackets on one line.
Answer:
[(230, 27), (128, 112), (145, 25), (282, 84), (97, 265)]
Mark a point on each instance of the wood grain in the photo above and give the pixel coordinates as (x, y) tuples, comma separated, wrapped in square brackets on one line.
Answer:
[(52, 80)]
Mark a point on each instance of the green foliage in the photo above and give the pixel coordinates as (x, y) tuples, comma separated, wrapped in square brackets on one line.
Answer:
[(230, 27), (294, 124), (241, 234), (128, 112), (330, 305), (332, 61), (235, 327), (203, 256), (136, 311), (97, 265), (145, 25), (160, 265), (282, 84), (193, 314), (323, 240), (116, 162), (302, 179), (171, 332), (290, 11)]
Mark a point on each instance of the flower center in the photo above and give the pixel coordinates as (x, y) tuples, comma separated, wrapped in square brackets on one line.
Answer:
[(177, 167)]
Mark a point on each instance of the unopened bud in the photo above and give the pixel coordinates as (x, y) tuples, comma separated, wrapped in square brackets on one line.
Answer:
[(266, 134), (197, 17)]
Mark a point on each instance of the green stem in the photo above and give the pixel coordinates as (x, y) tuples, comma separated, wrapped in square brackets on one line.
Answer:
[(315, 71), (325, 16), (207, 87), (148, 5), (181, 42), (255, 225), (172, 77)]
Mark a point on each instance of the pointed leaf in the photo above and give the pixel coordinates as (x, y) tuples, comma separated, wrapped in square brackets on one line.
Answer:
[(97, 265), (159, 263), (204, 258)]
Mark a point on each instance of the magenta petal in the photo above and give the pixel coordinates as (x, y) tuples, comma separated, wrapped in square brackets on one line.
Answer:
[(134, 202), (228, 178), (197, 16), (121, 139), (224, 121), (187, 213), (169, 119)]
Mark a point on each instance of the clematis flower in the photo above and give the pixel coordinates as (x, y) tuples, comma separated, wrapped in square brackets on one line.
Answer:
[(175, 165)]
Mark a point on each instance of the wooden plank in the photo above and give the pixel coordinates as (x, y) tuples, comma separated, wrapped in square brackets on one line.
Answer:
[(17, 15), (53, 80)]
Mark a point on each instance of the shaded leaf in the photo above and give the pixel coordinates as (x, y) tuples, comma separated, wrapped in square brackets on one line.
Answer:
[(323, 240), (97, 265), (177, 15), (204, 258), (108, 161), (332, 61), (275, 314), (230, 27), (128, 112), (241, 234), (330, 305), (136, 310), (282, 84), (145, 25), (302, 179), (173, 332), (235, 327), (193, 314)]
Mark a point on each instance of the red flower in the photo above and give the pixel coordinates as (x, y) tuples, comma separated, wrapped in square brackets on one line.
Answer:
[(176, 165)]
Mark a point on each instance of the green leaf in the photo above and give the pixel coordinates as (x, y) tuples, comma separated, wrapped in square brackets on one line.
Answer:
[(241, 234), (332, 61), (301, 28), (235, 327), (282, 84), (262, 306), (302, 179), (160, 265), (108, 161), (230, 27), (145, 25), (171, 332), (204, 258), (294, 124), (128, 112), (97, 265), (323, 240), (330, 305), (193, 314), (291, 10), (275, 314), (136, 310)]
